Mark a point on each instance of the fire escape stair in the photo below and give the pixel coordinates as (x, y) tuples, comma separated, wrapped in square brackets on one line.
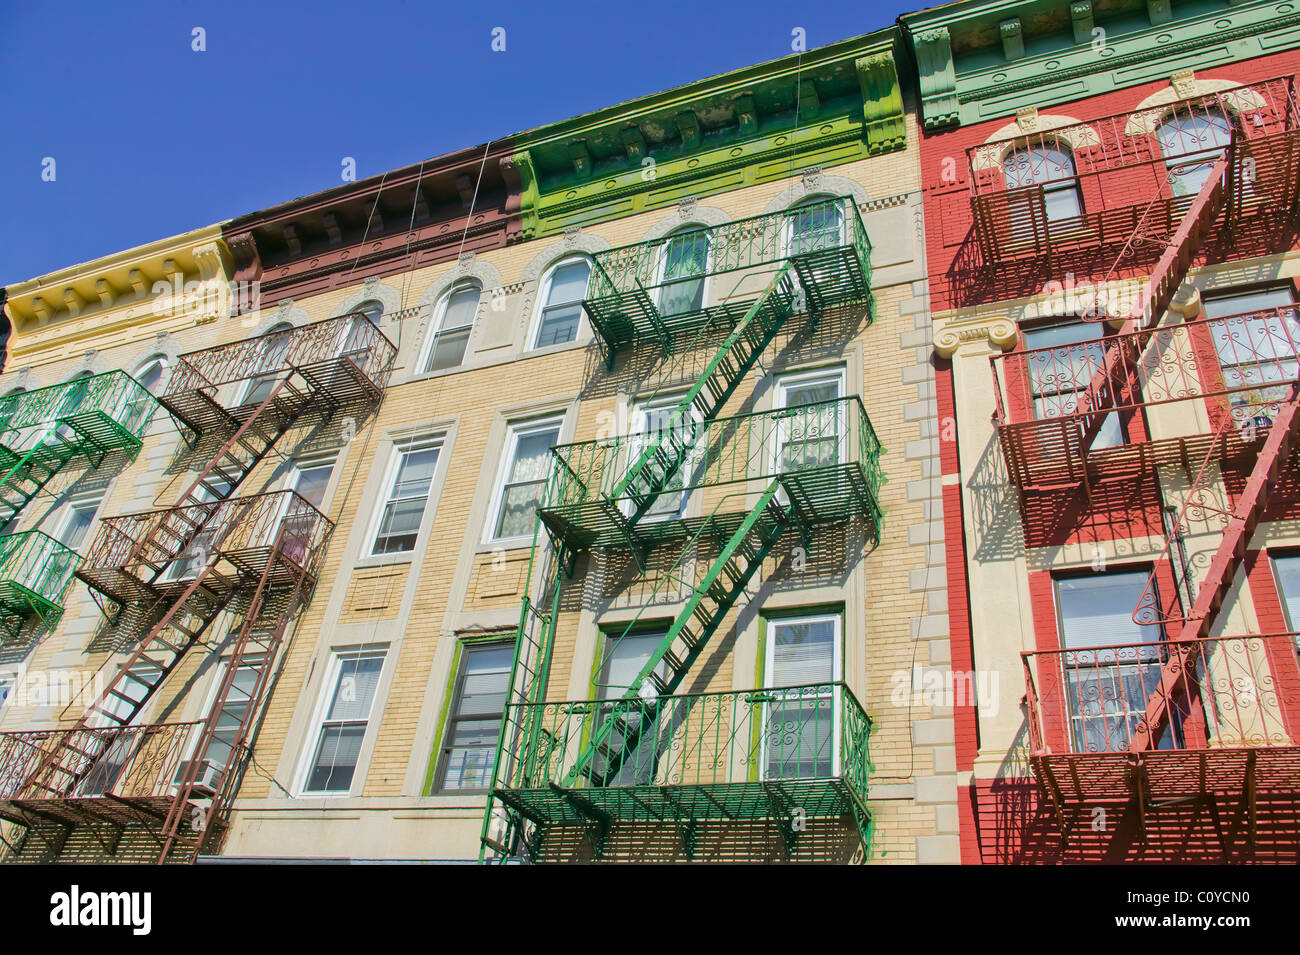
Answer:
[(723, 584), (1246, 515), (663, 456), (27, 472), (1117, 378), (189, 613)]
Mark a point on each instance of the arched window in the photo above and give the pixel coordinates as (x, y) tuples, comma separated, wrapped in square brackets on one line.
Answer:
[(1051, 167), (814, 225), (152, 373), (562, 291), (1191, 142), (453, 318), (372, 309), (685, 261)]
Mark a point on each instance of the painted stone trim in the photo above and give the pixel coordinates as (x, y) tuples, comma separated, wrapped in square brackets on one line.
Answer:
[(955, 332), (819, 185)]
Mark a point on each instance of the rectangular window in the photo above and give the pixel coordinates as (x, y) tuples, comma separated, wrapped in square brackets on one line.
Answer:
[(226, 732), (1108, 688), (634, 740), (406, 496), (1286, 570), (1060, 375), (1257, 353), (6, 687), (523, 479), (801, 723), (337, 742), (812, 434), (470, 739), (78, 520), (652, 421)]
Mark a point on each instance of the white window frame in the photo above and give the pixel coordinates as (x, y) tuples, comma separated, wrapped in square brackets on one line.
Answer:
[(262, 349), (781, 401), (162, 361), (440, 318), (787, 227), (209, 699), (662, 268), (404, 446), (837, 676), (317, 725), (514, 430), (640, 423), (94, 502), (544, 293)]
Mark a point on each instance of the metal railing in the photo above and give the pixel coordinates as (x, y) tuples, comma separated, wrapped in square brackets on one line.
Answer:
[(136, 762), (1244, 361), (1097, 174), (352, 337), (36, 565), (751, 447), (814, 732), (112, 401), (1240, 692), (200, 533)]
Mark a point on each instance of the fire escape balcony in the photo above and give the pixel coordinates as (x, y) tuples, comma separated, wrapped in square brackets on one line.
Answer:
[(324, 365), (826, 455), (1173, 394), (671, 288), (35, 573), (148, 557), (1235, 730), (82, 421), (135, 776), (1129, 179), (691, 760)]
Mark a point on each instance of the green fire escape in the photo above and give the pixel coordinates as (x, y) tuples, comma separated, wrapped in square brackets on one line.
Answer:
[(657, 755), (35, 573), (83, 421)]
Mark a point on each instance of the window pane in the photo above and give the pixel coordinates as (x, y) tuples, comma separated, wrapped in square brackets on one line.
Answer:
[(815, 226), (559, 324), (686, 256), (399, 522), (312, 482), (531, 455), (1098, 610), (448, 349), (803, 652), (1036, 166), (336, 758), (1288, 582), (1198, 135), (472, 734), (80, 517), (462, 306), (518, 503), (354, 692), (568, 283)]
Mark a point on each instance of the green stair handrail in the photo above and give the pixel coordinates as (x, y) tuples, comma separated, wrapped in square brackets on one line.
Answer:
[(647, 674)]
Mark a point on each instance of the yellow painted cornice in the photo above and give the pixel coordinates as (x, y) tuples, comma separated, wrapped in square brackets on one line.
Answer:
[(117, 281)]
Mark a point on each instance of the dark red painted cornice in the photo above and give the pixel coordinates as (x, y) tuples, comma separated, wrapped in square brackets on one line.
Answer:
[(468, 201)]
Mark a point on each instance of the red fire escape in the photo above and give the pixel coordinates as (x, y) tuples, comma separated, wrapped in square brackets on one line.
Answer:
[(170, 575), (1197, 727)]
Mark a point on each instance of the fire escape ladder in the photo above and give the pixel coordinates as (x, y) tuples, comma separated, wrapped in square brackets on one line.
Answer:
[(1117, 377), (130, 689), (731, 571), (261, 634), (1246, 515), (661, 458)]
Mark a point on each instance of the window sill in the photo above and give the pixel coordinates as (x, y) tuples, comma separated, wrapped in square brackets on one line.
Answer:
[(505, 543), (555, 349), (386, 560)]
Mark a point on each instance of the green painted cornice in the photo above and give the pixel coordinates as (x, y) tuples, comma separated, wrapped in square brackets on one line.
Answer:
[(822, 108), (983, 59)]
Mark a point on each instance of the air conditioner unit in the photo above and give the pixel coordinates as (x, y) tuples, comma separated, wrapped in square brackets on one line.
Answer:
[(207, 777)]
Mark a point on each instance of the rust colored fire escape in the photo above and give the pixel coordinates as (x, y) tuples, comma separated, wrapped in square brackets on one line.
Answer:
[(1189, 717), (256, 556)]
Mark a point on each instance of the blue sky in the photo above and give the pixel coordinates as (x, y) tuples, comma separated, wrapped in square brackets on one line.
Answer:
[(150, 138)]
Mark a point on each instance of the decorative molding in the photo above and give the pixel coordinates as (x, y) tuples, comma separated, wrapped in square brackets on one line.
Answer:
[(882, 103), (706, 216), (388, 296), (1081, 20), (485, 273), (826, 186), (1013, 39), (998, 331), (937, 76)]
